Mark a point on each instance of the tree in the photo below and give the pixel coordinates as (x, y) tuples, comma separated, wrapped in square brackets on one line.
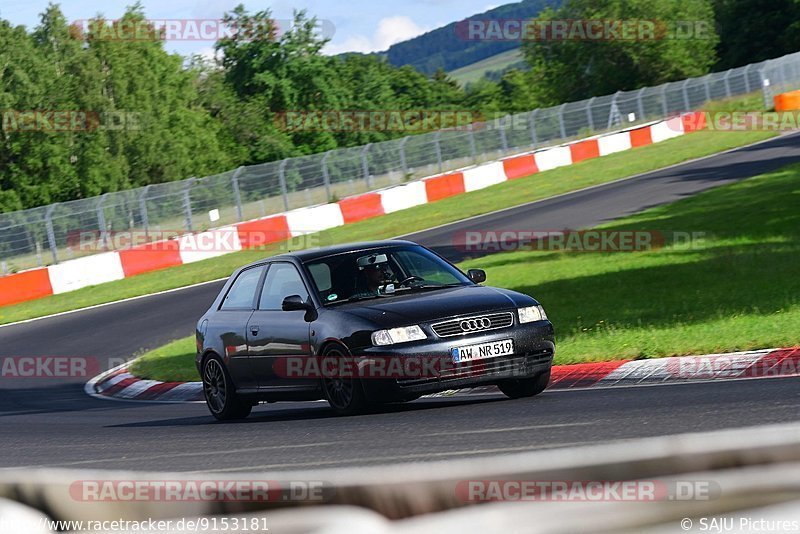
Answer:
[(755, 30), (564, 70)]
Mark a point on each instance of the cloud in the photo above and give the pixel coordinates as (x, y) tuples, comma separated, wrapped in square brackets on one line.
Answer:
[(390, 30)]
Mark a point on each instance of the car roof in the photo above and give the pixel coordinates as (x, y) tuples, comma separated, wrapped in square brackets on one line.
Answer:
[(315, 253)]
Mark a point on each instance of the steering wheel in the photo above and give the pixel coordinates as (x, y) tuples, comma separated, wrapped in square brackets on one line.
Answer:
[(411, 279)]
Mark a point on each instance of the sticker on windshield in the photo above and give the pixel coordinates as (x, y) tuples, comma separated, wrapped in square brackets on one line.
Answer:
[(333, 296)]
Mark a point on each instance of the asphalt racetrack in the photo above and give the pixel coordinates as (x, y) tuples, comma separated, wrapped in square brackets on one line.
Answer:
[(47, 423)]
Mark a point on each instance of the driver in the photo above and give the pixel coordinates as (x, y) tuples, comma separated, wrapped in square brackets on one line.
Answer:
[(374, 273)]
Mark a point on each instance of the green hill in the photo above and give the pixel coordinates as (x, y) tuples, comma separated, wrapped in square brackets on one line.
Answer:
[(446, 47), (491, 66)]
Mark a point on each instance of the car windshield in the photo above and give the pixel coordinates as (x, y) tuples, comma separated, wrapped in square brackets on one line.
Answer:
[(374, 273)]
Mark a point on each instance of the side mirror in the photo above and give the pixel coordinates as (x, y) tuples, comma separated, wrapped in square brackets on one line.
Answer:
[(477, 275), (296, 303)]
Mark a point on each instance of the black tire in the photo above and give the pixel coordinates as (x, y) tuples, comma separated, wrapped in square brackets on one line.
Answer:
[(525, 387), (344, 394), (220, 393)]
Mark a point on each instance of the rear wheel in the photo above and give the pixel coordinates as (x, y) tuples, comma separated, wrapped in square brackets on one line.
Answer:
[(220, 393), (525, 387), (344, 393)]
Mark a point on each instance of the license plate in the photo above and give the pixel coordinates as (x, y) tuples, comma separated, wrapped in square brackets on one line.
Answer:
[(482, 351)]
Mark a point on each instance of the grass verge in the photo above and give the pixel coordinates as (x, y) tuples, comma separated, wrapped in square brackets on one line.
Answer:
[(173, 362), (736, 288)]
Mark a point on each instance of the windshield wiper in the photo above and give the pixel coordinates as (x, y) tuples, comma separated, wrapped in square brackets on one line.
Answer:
[(435, 286), (355, 299)]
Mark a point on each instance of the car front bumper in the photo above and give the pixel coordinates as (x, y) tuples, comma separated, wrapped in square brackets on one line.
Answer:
[(534, 349)]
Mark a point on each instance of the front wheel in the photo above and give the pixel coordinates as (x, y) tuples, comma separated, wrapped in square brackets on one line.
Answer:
[(220, 394), (525, 387), (344, 393)]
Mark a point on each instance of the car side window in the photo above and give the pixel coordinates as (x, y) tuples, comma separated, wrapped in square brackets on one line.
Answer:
[(282, 281), (243, 291)]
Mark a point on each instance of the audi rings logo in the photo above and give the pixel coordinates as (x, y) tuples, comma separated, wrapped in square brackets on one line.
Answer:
[(471, 325)]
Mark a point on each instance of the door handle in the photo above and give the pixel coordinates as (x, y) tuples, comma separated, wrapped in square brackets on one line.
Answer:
[(254, 329)]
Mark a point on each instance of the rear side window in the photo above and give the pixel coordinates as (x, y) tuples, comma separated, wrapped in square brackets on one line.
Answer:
[(282, 281), (243, 291)]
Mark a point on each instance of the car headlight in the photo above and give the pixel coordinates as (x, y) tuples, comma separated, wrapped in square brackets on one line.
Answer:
[(397, 335), (531, 314)]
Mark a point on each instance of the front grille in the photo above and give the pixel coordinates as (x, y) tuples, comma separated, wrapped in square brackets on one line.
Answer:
[(474, 324)]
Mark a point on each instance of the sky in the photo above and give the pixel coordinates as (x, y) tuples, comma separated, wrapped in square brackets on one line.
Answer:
[(355, 25)]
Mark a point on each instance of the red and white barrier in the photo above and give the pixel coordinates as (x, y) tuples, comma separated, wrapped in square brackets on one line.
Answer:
[(552, 158), (484, 176), (109, 266), (609, 144), (209, 244), (82, 272), (315, 219), (403, 196)]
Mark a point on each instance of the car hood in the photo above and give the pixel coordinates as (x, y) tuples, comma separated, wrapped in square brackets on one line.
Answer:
[(421, 307)]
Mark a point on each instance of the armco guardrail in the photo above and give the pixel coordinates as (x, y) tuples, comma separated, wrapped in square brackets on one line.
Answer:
[(188, 248), (661, 481), (42, 236)]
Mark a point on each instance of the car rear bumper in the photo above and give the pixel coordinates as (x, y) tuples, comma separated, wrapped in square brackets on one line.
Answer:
[(534, 349)]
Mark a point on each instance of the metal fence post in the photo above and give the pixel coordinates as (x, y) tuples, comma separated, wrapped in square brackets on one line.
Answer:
[(503, 136), (473, 150), (326, 177), (282, 182), (707, 87), (747, 78), (187, 203), (403, 162), (612, 109), (101, 219), (589, 103), (640, 103), (727, 85), (237, 196), (561, 121), (764, 87), (143, 209), (365, 164), (687, 105), (664, 99), (532, 121), (438, 147), (51, 235)]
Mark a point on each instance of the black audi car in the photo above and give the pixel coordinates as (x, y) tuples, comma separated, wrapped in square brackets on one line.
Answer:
[(364, 324)]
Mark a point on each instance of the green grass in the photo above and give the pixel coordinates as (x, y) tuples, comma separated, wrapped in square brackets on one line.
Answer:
[(173, 362), (538, 186), (475, 71), (735, 289)]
